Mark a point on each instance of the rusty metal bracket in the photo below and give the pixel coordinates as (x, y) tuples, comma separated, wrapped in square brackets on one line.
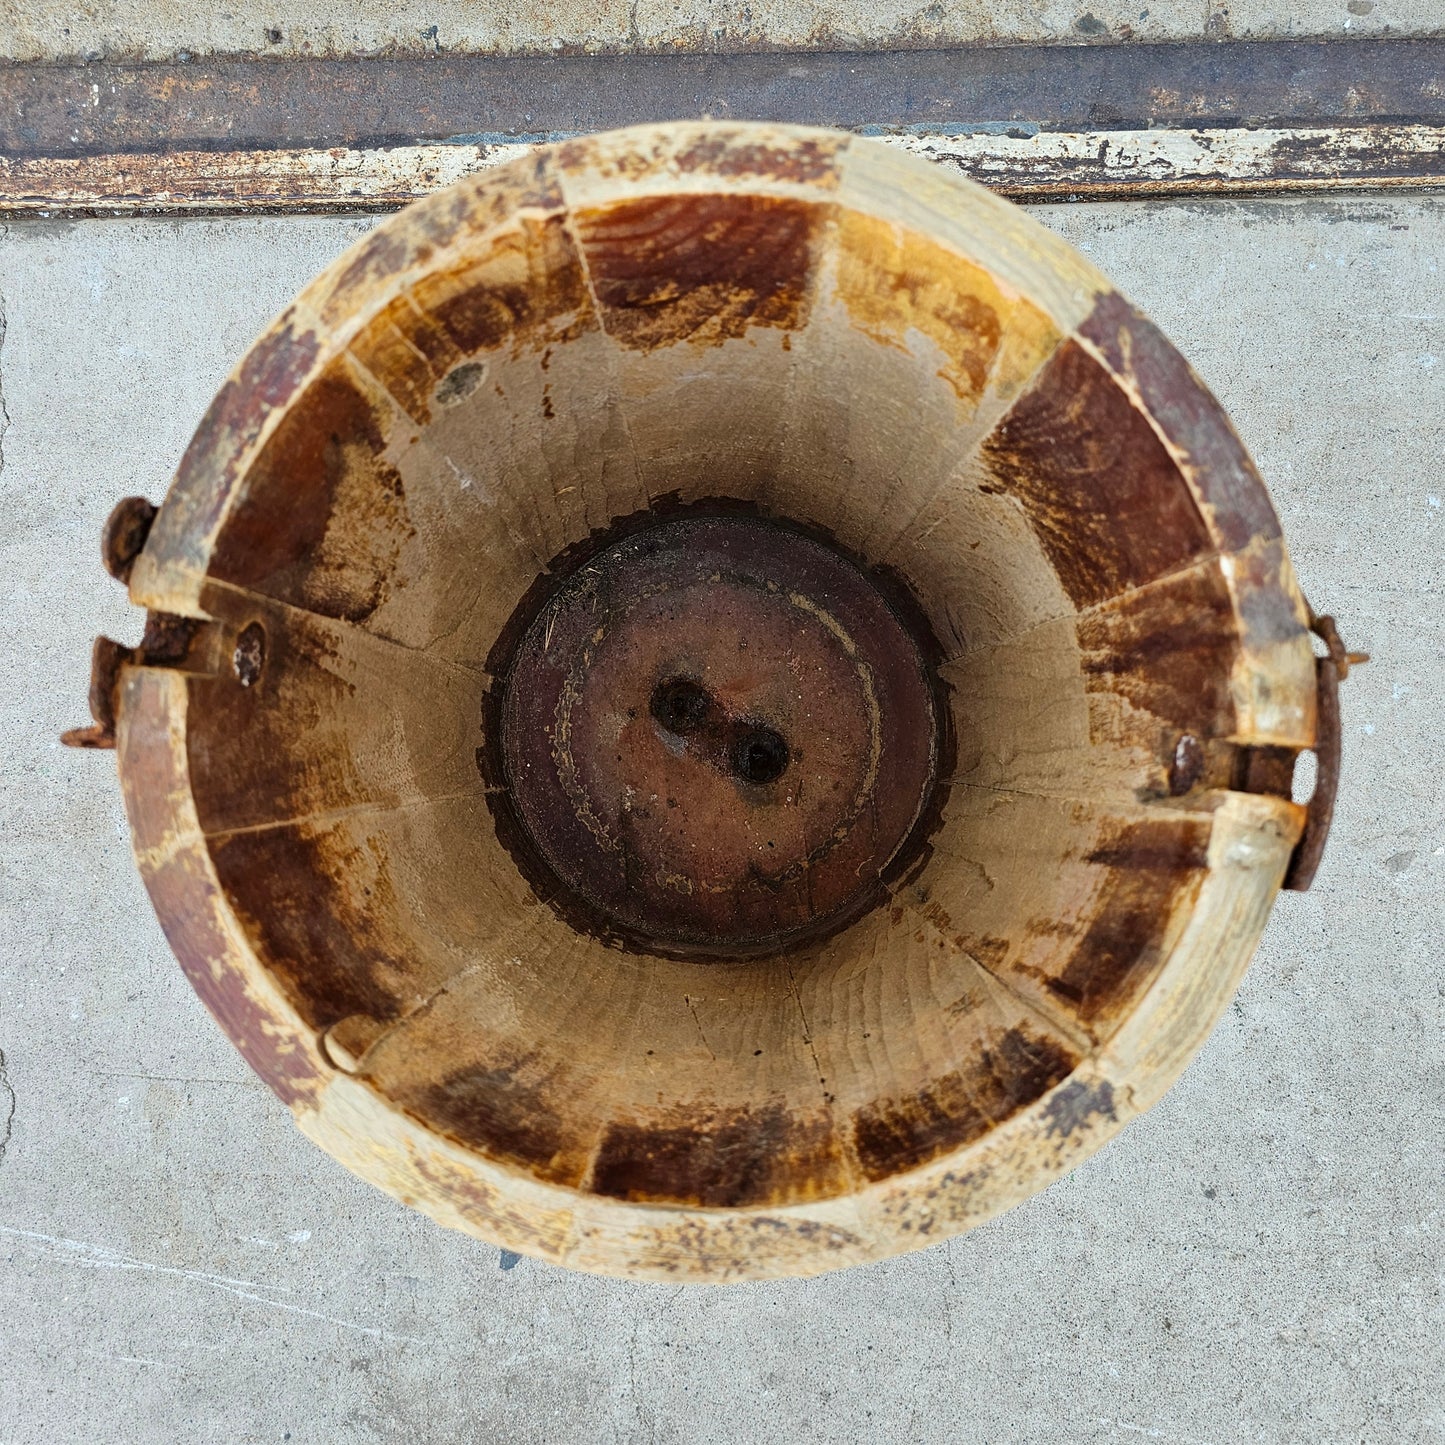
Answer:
[(167, 642), (106, 658), (1330, 671)]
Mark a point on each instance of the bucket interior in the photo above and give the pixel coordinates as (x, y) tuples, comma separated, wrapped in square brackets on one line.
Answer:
[(1082, 686)]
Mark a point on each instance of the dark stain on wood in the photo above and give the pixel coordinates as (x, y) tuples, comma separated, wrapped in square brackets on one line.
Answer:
[(1264, 769), (803, 162), (180, 890), (901, 288), (987, 950), (317, 908), (477, 205), (1100, 490), (731, 1246), (382, 255), (529, 278), (699, 268), (267, 380), (409, 353), (273, 750), (1188, 415), (1271, 612), (1169, 649), (152, 778), (1156, 844), (186, 896), (723, 1159), (324, 516), (1151, 863), (503, 1109), (1015, 1067), (481, 203), (1077, 1106), (489, 1207)]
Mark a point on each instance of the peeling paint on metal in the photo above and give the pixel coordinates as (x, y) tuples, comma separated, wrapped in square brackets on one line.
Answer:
[(1042, 166)]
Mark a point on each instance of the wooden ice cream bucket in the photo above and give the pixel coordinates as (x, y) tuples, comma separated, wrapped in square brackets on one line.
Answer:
[(716, 704)]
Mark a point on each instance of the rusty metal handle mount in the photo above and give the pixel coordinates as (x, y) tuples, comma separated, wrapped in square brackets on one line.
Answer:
[(121, 540), (1330, 671)]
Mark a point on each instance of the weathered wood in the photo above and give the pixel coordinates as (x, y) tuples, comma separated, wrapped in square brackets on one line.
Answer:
[(815, 328)]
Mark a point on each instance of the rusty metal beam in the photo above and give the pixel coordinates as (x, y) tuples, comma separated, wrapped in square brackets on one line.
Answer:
[(235, 104), (1040, 122), (1048, 166)]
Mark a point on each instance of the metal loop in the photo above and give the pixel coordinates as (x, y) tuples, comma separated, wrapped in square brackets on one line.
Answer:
[(1320, 811)]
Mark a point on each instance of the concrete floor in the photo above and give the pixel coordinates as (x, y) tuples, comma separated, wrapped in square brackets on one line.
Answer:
[(1259, 1259), (167, 29)]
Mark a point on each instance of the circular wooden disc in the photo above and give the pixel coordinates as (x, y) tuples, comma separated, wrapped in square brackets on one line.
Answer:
[(718, 734)]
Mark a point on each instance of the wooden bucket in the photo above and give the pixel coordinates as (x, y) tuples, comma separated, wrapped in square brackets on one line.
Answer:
[(716, 704)]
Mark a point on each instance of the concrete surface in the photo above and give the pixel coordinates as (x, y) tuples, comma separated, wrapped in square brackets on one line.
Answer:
[(1260, 1259), (166, 29)]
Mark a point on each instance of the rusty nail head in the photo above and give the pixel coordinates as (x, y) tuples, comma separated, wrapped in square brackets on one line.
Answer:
[(250, 654)]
